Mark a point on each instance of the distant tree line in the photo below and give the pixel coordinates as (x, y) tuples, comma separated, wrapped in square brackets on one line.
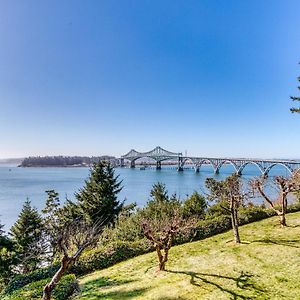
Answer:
[(65, 161)]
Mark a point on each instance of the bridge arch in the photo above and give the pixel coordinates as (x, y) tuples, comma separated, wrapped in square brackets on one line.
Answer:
[(230, 162), (210, 162), (266, 172), (259, 166), (193, 162)]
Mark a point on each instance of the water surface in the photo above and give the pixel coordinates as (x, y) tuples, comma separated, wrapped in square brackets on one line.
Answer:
[(17, 184)]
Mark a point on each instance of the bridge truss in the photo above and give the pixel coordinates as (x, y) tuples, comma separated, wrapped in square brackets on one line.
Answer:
[(159, 154)]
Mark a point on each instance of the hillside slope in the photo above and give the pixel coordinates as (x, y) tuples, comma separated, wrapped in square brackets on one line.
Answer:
[(265, 266)]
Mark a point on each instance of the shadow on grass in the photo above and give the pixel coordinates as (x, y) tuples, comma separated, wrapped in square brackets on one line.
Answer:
[(281, 242), (98, 289), (171, 298), (243, 282)]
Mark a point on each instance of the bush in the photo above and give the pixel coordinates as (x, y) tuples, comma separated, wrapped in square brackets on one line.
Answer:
[(105, 256), (64, 289), (21, 280), (212, 226), (254, 213)]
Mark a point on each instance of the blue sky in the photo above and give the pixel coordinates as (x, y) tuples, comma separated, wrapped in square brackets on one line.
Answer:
[(102, 77)]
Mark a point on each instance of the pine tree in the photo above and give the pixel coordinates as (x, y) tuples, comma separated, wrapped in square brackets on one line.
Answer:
[(27, 235), (6, 257), (159, 192), (98, 198), (297, 110), (51, 221), (195, 206)]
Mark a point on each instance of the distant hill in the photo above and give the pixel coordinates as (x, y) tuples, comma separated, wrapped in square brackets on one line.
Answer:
[(65, 161)]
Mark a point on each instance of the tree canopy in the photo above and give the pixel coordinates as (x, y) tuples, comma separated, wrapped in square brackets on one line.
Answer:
[(294, 98)]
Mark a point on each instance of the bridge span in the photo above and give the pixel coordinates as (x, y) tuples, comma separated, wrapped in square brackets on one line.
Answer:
[(159, 155)]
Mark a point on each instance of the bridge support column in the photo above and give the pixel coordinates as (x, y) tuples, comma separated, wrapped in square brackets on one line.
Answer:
[(132, 164), (197, 169), (217, 171), (179, 166), (122, 165), (158, 165)]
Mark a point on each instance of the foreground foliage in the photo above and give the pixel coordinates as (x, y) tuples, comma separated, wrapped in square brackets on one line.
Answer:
[(162, 221), (66, 287), (296, 98), (264, 266)]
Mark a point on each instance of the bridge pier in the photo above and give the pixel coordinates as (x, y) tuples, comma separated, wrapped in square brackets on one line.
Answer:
[(122, 164), (158, 165), (159, 154), (179, 166)]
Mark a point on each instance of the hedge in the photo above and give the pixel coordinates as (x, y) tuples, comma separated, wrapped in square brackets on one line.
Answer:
[(21, 280), (67, 286), (105, 256)]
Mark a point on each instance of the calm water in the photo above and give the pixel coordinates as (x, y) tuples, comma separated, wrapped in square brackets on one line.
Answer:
[(16, 184)]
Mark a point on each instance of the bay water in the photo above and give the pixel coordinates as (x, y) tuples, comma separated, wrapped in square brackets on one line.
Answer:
[(17, 184)]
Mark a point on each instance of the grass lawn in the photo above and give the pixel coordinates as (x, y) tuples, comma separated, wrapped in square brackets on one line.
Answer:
[(265, 266)]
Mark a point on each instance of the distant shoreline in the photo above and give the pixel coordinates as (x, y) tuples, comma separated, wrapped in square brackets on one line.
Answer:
[(58, 166)]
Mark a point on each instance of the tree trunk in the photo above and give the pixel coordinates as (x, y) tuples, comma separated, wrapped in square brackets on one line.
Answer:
[(162, 267), (49, 287), (282, 219), (283, 211), (161, 262), (235, 226)]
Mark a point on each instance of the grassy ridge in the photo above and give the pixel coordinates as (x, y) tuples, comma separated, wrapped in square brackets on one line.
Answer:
[(265, 266)]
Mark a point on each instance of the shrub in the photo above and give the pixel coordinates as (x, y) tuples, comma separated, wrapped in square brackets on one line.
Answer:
[(24, 279), (254, 213), (212, 226), (65, 288), (105, 256)]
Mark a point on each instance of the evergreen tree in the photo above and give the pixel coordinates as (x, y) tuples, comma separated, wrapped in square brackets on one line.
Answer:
[(159, 192), (27, 234), (6, 257), (296, 99), (195, 206), (98, 198), (51, 221)]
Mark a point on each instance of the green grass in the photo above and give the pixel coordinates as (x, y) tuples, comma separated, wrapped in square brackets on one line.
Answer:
[(265, 266)]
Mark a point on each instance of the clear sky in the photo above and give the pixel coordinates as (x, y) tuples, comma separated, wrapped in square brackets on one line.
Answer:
[(102, 77)]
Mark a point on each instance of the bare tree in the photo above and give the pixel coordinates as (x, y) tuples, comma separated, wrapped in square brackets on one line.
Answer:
[(75, 237), (161, 229), (230, 195), (284, 187)]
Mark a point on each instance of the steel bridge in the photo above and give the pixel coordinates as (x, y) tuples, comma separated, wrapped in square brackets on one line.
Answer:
[(159, 155)]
